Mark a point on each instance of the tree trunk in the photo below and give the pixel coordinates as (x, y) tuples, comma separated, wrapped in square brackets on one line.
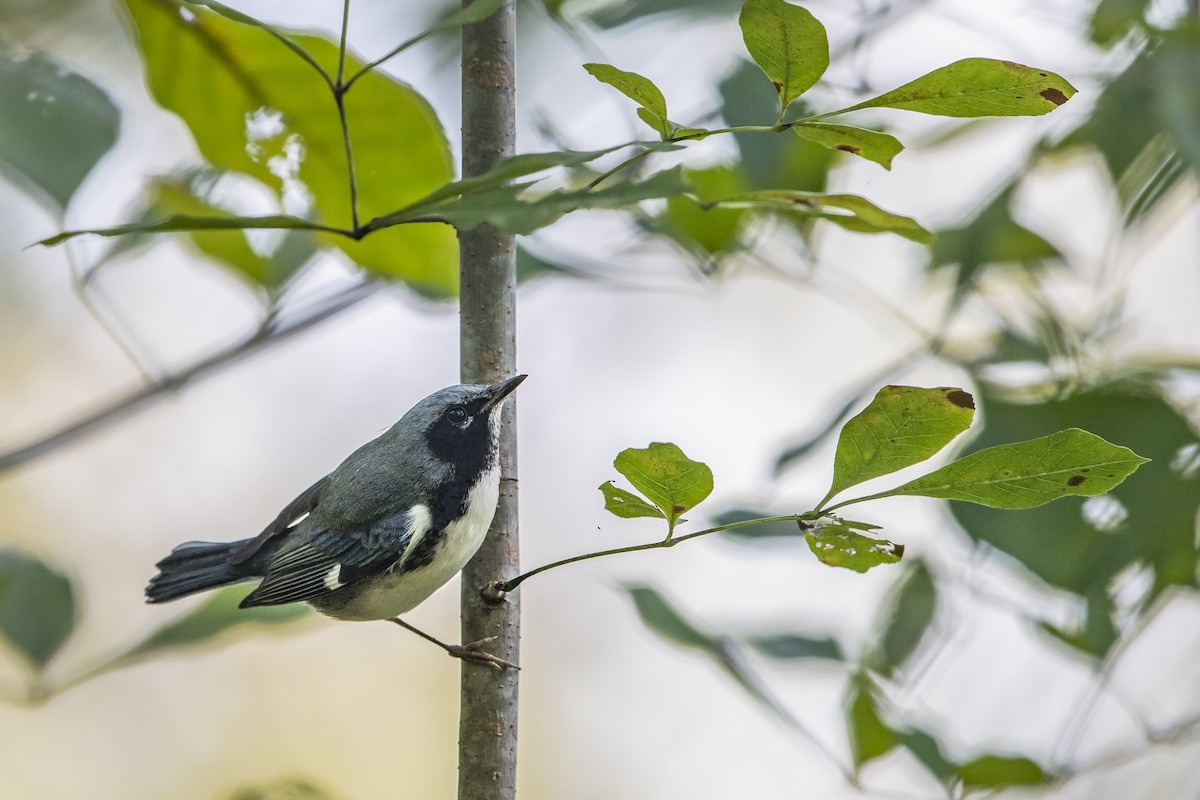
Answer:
[(487, 745)]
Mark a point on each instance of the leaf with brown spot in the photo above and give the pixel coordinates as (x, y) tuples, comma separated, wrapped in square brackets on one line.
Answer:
[(667, 477), (788, 43), (977, 87), (871, 145)]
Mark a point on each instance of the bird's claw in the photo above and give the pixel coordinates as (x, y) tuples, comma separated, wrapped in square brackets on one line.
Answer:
[(475, 652)]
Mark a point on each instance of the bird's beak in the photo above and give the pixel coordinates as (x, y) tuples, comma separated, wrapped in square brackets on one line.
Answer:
[(501, 390)]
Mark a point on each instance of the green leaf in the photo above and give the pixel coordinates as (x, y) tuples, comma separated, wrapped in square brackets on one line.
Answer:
[(911, 611), (177, 223), (788, 44), (661, 617), (37, 607), (1176, 65), (1057, 542), (870, 737), (692, 223), (1028, 474), (626, 504), (849, 211), (928, 751), (507, 208), (791, 647), (978, 87), (276, 115), (671, 480), (871, 145), (902, 426), (778, 529), (1112, 19), (57, 125), (512, 167), (639, 89), (217, 614), (992, 771), (837, 543)]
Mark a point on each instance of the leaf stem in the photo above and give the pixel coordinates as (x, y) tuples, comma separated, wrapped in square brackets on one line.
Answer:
[(341, 73), (670, 541)]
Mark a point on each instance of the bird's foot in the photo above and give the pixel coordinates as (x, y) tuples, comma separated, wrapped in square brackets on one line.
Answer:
[(475, 652)]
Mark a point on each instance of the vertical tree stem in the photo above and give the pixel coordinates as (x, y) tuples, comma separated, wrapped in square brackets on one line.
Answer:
[(487, 746)]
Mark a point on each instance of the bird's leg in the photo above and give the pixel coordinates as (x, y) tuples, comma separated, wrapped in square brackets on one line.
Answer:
[(467, 652)]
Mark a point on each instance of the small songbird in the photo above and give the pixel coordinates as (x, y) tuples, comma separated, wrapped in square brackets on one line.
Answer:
[(375, 537)]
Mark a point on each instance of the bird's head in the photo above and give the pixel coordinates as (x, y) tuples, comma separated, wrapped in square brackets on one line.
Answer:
[(459, 421)]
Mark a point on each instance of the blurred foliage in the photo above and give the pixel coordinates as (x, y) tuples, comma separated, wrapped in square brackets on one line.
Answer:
[(284, 789), (37, 607)]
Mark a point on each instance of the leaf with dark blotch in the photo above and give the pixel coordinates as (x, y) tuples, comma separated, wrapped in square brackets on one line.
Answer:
[(37, 607), (902, 426), (1028, 474), (994, 771), (788, 43), (837, 543), (671, 480), (870, 736), (641, 90), (217, 614), (57, 125), (871, 145), (911, 608), (626, 504), (661, 617), (792, 646), (978, 87)]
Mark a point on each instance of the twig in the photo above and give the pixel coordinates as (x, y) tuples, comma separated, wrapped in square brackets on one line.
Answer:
[(134, 400)]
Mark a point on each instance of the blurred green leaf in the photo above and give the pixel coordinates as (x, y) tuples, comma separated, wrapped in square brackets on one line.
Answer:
[(57, 125), (928, 751), (626, 504), (990, 237), (902, 426), (911, 608), (517, 166), (641, 90), (1028, 474), (849, 211), (871, 145), (671, 480), (276, 117), (662, 618), (1112, 19), (791, 647), (217, 614), (779, 529), (978, 87), (507, 208), (691, 223), (770, 161), (837, 543), (37, 607), (870, 737), (788, 43), (1177, 65), (283, 789), (992, 771), (624, 12), (179, 223), (1057, 542)]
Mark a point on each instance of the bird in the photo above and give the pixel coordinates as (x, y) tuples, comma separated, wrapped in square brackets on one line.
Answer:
[(371, 540)]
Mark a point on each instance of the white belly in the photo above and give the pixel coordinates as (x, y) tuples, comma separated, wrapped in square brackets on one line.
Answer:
[(396, 592)]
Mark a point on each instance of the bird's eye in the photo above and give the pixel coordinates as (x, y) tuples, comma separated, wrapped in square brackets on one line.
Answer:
[(457, 415)]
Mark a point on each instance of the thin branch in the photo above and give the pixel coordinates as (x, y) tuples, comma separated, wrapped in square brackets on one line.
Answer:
[(513, 583), (339, 97), (134, 400)]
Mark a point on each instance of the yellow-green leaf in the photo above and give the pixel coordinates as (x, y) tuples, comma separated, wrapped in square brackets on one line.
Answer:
[(788, 43)]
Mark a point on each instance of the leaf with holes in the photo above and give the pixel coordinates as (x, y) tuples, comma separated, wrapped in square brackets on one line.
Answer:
[(1028, 474), (626, 504), (837, 543), (671, 480), (788, 43), (978, 87)]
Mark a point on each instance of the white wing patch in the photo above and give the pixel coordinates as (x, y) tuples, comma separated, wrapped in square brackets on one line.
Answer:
[(419, 523), (332, 578)]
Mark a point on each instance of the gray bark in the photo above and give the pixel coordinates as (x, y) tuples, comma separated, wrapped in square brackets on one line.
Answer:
[(487, 746)]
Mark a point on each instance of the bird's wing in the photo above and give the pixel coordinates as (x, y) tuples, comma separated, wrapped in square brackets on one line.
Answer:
[(326, 560), (290, 515)]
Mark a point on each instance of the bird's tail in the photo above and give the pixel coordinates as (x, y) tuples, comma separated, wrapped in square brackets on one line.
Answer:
[(193, 567)]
